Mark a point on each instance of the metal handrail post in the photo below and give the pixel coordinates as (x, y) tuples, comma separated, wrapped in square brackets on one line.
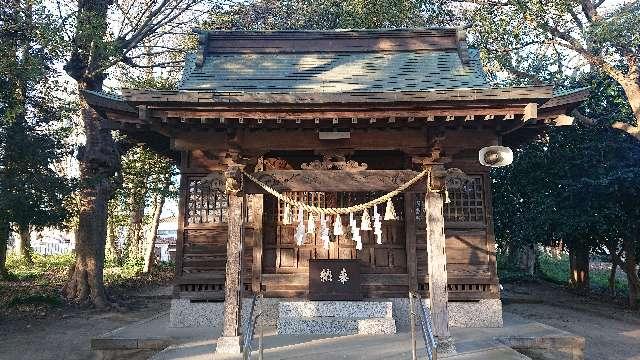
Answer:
[(260, 347), (248, 332), (412, 322)]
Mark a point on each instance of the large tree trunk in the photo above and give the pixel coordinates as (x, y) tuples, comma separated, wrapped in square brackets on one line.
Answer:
[(4, 240), (23, 247), (632, 90), (98, 162), (631, 87), (631, 268), (579, 267), (612, 274), (134, 235), (151, 236)]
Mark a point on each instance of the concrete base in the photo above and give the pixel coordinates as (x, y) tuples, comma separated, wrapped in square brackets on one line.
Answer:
[(484, 313), (549, 347), (228, 345), (446, 346)]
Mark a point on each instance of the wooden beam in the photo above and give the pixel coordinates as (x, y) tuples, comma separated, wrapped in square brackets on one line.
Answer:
[(530, 112), (333, 180), (305, 139), (410, 233), (437, 263), (333, 116)]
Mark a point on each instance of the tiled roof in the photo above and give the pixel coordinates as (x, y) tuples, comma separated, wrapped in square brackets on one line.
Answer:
[(393, 61)]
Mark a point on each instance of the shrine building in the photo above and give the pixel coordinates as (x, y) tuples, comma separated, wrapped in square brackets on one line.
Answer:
[(334, 120)]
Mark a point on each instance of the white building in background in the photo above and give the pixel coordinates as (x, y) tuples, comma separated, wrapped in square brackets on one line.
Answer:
[(166, 238), (49, 241), (52, 241)]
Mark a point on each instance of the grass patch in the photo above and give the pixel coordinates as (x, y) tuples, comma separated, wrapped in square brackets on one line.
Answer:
[(51, 266), (36, 288), (556, 270)]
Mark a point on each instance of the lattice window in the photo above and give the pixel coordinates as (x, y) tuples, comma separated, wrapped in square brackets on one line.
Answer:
[(466, 204), (206, 204), (314, 198)]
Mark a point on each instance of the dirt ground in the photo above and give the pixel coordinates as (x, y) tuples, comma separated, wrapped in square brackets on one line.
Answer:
[(66, 335), (611, 332)]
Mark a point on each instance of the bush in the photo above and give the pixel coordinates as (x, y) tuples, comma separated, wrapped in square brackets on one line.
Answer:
[(508, 272)]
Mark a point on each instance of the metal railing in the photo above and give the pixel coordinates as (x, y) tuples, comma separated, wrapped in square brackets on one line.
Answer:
[(249, 328), (430, 343)]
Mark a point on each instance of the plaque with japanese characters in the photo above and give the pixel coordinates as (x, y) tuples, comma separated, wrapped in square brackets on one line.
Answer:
[(333, 279)]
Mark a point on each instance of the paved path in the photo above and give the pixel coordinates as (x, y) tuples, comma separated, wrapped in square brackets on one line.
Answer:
[(199, 344)]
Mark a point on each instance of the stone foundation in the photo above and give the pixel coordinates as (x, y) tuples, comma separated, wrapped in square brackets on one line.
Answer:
[(229, 345), (482, 313), (336, 317), (185, 313)]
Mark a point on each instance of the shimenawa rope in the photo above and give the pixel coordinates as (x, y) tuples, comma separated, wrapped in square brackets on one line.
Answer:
[(336, 211)]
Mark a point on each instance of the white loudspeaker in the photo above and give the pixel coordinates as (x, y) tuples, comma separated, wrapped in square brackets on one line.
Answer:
[(495, 156)]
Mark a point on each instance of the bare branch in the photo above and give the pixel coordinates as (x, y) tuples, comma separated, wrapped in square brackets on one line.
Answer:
[(629, 129), (589, 10), (154, 65)]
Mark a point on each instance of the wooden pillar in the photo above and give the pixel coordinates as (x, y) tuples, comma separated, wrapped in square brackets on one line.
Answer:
[(410, 235), (257, 208), (229, 343), (437, 263)]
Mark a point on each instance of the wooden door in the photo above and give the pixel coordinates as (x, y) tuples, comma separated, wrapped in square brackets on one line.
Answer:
[(282, 255)]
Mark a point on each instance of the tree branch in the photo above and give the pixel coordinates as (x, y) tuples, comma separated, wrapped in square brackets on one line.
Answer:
[(618, 125)]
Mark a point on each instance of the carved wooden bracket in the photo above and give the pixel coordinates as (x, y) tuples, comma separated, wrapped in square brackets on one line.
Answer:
[(437, 178), (456, 179), (452, 178), (275, 164), (220, 161), (334, 162), (233, 180)]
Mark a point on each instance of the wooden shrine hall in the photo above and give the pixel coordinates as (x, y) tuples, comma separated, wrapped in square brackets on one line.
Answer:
[(333, 119)]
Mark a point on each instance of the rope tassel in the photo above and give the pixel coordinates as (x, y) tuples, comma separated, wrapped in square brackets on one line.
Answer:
[(357, 238), (286, 217), (324, 232), (377, 225), (299, 236), (337, 226), (365, 222), (311, 224), (390, 211)]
